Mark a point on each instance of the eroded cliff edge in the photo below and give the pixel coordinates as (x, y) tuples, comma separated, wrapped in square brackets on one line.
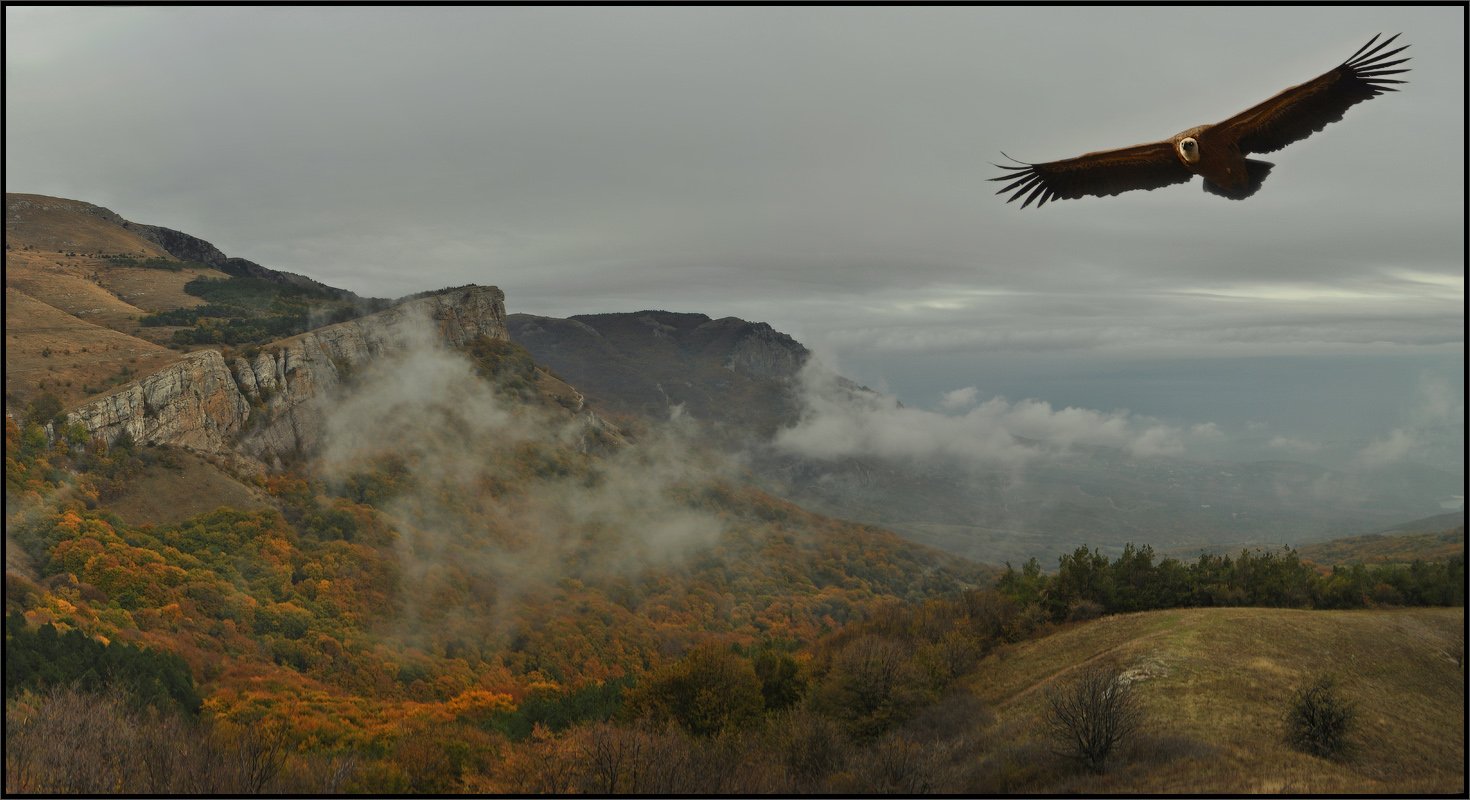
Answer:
[(268, 406)]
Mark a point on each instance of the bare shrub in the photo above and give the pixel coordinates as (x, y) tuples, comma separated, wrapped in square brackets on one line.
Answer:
[(70, 741), (730, 763), (1031, 619), (1083, 610), (1014, 768), (253, 754), (645, 759), (543, 764), (895, 765), (958, 714), (1319, 720), (613, 760), (669, 762), (179, 756), (67, 741), (1089, 716), (811, 747), (322, 773), (603, 759)]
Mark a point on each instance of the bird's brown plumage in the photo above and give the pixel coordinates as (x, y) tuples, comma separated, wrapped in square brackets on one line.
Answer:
[(1289, 116)]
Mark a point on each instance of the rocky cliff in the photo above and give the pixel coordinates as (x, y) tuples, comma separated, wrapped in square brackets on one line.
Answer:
[(193, 402), (753, 348), (268, 406)]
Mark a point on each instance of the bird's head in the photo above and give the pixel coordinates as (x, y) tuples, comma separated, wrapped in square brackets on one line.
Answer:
[(1188, 148), (1187, 145)]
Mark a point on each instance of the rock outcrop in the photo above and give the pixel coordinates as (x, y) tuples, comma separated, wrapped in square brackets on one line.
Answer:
[(193, 403), (268, 406), (757, 349)]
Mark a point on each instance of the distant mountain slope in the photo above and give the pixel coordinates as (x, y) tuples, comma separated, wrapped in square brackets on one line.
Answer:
[(1103, 498), (38, 222), (1434, 524), (1394, 546), (726, 371)]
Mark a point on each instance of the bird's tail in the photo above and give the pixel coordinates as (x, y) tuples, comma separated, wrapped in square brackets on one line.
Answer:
[(1256, 172)]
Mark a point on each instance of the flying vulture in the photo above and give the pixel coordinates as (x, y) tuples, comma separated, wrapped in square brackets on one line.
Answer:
[(1216, 152)]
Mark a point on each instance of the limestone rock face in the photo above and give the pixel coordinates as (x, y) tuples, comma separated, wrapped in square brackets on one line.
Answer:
[(270, 406), (193, 402)]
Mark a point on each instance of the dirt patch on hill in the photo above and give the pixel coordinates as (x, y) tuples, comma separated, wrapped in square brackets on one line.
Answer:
[(168, 494)]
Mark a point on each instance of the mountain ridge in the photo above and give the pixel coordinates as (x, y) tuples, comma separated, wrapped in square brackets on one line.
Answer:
[(725, 371), (180, 245)]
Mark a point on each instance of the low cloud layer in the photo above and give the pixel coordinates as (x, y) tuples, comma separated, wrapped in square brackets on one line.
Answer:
[(838, 421), (1433, 427)]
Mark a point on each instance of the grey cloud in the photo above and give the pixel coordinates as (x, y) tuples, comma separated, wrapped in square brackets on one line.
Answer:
[(837, 422)]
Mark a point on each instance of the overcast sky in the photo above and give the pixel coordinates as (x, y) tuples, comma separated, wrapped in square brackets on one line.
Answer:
[(821, 169)]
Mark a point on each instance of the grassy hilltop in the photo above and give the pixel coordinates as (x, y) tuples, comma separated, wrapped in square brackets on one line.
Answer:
[(1215, 684)]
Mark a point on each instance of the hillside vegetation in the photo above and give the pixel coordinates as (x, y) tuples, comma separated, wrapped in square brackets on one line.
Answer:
[(397, 604), (1388, 548)]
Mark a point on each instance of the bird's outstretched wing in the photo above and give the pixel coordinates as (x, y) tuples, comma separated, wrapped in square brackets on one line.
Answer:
[(1302, 110), (1142, 166)]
